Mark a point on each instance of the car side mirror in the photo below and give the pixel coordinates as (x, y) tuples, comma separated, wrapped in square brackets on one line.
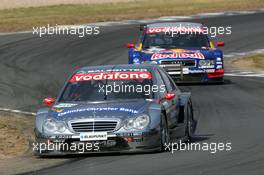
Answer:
[(169, 96), (48, 101), (130, 45), (220, 44)]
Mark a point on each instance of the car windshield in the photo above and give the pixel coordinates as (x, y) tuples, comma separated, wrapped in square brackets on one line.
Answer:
[(168, 41), (98, 90)]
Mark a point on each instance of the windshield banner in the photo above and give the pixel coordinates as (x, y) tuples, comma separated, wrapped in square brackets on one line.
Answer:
[(111, 76)]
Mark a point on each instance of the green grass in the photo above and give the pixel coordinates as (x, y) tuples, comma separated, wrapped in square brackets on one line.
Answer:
[(25, 18)]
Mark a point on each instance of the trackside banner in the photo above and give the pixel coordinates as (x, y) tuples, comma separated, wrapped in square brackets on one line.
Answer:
[(110, 76)]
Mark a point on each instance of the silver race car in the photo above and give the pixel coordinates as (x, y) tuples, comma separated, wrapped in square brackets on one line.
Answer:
[(121, 108)]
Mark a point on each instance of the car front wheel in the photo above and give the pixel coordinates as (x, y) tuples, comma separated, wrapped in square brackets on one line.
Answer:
[(191, 123), (164, 134)]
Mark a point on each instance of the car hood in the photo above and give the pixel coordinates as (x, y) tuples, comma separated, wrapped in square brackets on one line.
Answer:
[(158, 54), (111, 109)]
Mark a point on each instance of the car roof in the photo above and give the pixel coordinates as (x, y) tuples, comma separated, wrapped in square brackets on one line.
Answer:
[(174, 24), (150, 67)]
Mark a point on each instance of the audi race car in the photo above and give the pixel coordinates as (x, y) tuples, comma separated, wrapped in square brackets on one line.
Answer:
[(121, 108), (182, 49)]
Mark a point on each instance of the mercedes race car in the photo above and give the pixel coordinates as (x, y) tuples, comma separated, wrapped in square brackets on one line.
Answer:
[(121, 108), (182, 49)]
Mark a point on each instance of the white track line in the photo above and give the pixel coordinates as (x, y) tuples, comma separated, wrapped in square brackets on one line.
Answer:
[(16, 111), (239, 54), (238, 74)]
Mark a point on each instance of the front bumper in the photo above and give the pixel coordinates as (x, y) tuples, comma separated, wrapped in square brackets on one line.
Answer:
[(196, 78), (118, 143), (186, 75), (192, 73)]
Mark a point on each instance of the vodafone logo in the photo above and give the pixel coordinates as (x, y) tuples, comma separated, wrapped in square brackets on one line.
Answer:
[(196, 55), (110, 76), (175, 29), (156, 30)]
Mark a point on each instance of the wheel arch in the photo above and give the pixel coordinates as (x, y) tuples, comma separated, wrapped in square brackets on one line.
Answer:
[(185, 100)]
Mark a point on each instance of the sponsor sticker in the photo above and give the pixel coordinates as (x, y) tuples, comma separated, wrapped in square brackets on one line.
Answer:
[(111, 70), (206, 67), (93, 136), (210, 70), (202, 71), (121, 109), (219, 67), (57, 109), (174, 29), (65, 105), (173, 55), (110, 76)]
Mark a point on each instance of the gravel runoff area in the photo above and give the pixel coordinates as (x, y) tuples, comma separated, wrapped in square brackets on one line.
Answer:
[(17, 138)]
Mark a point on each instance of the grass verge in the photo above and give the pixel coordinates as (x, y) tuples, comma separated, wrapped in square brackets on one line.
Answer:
[(253, 62), (16, 137), (25, 18)]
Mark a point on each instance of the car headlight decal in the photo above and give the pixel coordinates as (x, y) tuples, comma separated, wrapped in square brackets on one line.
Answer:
[(141, 122), (204, 63), (129, 124), (51, 126), (138, 123), (61, 127)]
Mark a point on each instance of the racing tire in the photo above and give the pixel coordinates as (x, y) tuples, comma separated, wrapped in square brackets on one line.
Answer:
[(191, 123), (164, 134)]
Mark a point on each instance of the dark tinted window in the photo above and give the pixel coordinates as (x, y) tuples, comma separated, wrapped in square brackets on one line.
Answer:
[(89, 88), (176, 41), (168, 81), (173, 85), (160, 83)]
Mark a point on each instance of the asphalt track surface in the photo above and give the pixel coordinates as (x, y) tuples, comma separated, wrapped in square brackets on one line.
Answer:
[(33, 68)]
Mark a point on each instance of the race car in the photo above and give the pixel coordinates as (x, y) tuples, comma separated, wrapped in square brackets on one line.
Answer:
[(183, 49), (120, 108)]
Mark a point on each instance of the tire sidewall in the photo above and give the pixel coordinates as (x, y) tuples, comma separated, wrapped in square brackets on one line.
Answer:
[(164, 139), (190, 122)]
